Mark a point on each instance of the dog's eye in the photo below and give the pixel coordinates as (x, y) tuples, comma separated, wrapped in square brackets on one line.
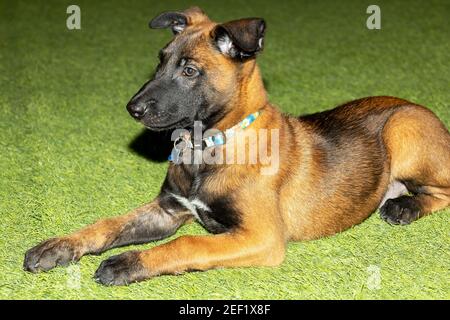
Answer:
[(189, 72)]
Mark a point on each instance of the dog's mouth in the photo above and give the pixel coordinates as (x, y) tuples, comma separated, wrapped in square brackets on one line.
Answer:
[(179, 124)]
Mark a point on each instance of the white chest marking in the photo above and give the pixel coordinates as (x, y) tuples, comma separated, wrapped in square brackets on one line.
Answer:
[(192, 205)]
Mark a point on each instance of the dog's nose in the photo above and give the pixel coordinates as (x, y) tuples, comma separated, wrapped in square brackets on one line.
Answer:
[(137, 109)]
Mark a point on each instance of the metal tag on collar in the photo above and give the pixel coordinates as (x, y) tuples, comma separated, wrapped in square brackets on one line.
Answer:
[(175, 156), (183, 142), (180, 144)]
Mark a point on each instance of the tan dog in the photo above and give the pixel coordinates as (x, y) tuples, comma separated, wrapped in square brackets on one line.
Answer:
[(335, 167)]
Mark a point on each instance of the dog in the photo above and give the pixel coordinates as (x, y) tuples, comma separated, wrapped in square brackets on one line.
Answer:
[(335, 167)]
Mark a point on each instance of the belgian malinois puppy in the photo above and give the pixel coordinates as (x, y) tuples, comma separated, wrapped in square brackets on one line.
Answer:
[(335, 167)]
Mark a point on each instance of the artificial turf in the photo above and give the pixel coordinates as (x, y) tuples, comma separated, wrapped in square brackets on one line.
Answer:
[(65, 138)]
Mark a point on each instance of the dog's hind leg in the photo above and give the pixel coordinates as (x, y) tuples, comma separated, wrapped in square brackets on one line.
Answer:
[(395, 190), (153, 221), (419, 148), (406, 209)]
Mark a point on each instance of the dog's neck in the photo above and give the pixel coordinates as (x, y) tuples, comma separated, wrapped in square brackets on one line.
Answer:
[(251, 96)]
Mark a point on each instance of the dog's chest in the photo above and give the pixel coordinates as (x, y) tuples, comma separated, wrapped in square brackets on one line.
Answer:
[(215, 212)]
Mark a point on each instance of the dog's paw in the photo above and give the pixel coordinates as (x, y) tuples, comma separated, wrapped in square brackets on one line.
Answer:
[(122, 269), (51, 253), (402, 210)]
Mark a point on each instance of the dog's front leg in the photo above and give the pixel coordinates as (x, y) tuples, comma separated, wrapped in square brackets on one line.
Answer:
[(191, 253), (147, 223)]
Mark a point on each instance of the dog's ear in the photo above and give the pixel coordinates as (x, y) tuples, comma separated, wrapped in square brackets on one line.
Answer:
[(177, 20), (240, 39)]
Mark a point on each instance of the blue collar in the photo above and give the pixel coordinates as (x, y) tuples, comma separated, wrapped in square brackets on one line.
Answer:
[(214, 140)]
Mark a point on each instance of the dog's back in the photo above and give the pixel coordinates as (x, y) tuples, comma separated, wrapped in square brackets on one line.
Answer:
[(355, 162)]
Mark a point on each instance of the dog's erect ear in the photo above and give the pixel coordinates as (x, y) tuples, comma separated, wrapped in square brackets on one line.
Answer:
[(177, 20), (240, 38)]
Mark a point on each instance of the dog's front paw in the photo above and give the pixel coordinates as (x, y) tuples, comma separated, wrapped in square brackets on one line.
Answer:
[(402, 210), (50, 253), (122, 269)]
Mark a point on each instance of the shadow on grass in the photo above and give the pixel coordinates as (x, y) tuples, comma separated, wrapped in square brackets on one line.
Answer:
[(154, 146)]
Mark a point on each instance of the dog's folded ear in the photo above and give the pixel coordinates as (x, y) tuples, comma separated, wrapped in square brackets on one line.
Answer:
[(177, 20), (241, 39)]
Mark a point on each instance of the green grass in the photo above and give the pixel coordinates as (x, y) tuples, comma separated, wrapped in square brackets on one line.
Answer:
[(65, 135)]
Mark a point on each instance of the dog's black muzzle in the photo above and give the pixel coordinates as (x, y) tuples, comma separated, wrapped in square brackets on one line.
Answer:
[(138, 108)]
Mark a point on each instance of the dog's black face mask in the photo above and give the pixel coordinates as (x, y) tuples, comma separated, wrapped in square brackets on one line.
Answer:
[(196, 77), (177, 94)]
